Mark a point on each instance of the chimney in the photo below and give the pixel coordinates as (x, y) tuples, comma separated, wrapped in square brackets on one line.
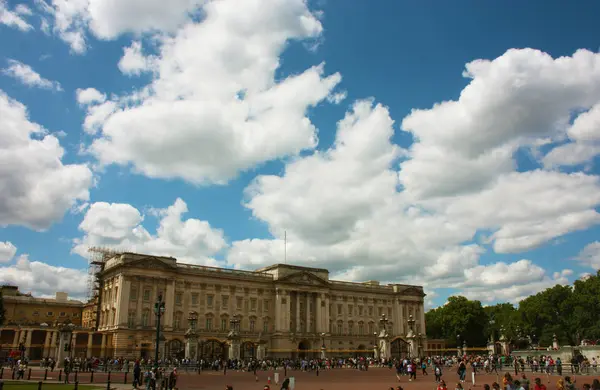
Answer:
[(62, 296)]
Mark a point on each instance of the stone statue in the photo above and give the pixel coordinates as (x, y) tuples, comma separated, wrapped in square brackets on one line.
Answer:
[(382, 348)]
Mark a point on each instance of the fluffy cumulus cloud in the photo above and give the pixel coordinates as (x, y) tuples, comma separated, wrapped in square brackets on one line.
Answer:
[(134, 62), (39, 278), (590, 255), (7, 251), (119, 226), (16, 17), (223, 107), (458, 189), (36, 188), (26, 75)]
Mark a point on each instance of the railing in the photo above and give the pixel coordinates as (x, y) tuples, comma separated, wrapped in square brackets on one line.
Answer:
[(255, 274)]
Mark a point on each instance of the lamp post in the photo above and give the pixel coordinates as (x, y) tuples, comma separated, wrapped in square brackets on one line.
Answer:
[(458, 350), (191, 336), (159, 310), (234, 338)]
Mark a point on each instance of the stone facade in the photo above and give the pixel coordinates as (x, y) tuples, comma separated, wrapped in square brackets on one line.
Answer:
[(34, 324), (286, 309)]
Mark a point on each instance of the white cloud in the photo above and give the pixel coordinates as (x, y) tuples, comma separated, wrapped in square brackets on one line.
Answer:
[(7, 251), (224, 110), (36, 188), (89, 96), (42, 279), (134, 62), (513, 101), (509, 282), (590, 255), (15, 18), (346, 208), (119, 226), (26, 75)]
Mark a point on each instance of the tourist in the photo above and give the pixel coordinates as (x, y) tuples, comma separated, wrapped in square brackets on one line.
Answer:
[(462, 371), (442, 386), (458, 386), (569, 385), (560, 384), (524, 382), (595, 384), (438, 373), (539, 385)]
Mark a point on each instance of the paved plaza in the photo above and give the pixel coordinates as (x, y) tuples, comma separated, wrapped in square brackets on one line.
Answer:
[(336, 379)]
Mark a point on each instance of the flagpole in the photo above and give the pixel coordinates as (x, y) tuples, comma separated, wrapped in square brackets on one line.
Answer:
[(285, 247)]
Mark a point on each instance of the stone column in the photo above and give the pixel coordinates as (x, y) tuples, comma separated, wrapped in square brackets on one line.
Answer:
[(16, 339), (90, 345), (28, 342), (298, 312), (308, 303), (46, 352), (422, 319), (278, 312), (327, 314), (169, 298), (288, 311), (123, 301), (103, 346), (53, 352), (318, 315)]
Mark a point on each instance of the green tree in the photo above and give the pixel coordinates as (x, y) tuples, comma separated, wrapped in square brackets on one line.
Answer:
[(459, 317)]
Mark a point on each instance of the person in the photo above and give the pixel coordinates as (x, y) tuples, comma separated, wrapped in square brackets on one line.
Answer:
[(286, 384), (569, 385), (137, 373), (228, 387), (595, 384), (267, 387), (462, 370), (524, 382), (560, 384), (538, 384), (442, 386), (438, 373), (458, 386)]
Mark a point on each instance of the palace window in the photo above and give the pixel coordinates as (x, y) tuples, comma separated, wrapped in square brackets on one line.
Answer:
[(252, 325), (389, 311), (225, 301), (178, 298), (253, 304), (380, 311), (177, 318), (194, 299), (266, 325), (238, 303), (350, 328), (361, 329), (62, 314), (209, 323), (266, 305), (146, 317), (146, 295), (224, 324), (340, 327), (370, 311), (131, 319), (339, 309), (133, 294), (350, 310), (371, 328), (360, 310), (209, 301)]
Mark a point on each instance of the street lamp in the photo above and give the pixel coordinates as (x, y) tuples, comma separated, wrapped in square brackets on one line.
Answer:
[(323, 340), (383, 321), (159, 310), (234, 322), (193, 320)]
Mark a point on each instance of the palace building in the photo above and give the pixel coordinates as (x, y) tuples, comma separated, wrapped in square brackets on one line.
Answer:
[(277, 311)]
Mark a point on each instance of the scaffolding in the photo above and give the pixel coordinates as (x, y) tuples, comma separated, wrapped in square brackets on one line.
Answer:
[(97, 258)]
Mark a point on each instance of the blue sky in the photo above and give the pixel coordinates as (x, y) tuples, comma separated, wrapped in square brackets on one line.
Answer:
[(206, 130)]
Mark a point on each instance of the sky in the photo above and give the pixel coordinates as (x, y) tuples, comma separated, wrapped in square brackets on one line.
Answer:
[(452, 145)]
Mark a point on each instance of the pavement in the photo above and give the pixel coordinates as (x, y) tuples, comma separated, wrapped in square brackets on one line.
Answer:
[(336, 379)]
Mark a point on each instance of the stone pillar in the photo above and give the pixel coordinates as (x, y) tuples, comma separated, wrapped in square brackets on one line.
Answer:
[(53, 345), (309, 301), (327, 314), (123, 301), (90, 345), (28, 342), (234, 349), (279, 311), (103, 347), (16, 339), (260, 351), (297, 312), (46, 352), (318, 315), (422, 319), (169, 298)]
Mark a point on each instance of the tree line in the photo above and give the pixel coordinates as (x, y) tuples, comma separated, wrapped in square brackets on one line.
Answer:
[(572, 313)]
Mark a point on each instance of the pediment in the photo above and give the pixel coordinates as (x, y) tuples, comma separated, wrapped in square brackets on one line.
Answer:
[(304, 278), (413, 291), (151, 262)]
